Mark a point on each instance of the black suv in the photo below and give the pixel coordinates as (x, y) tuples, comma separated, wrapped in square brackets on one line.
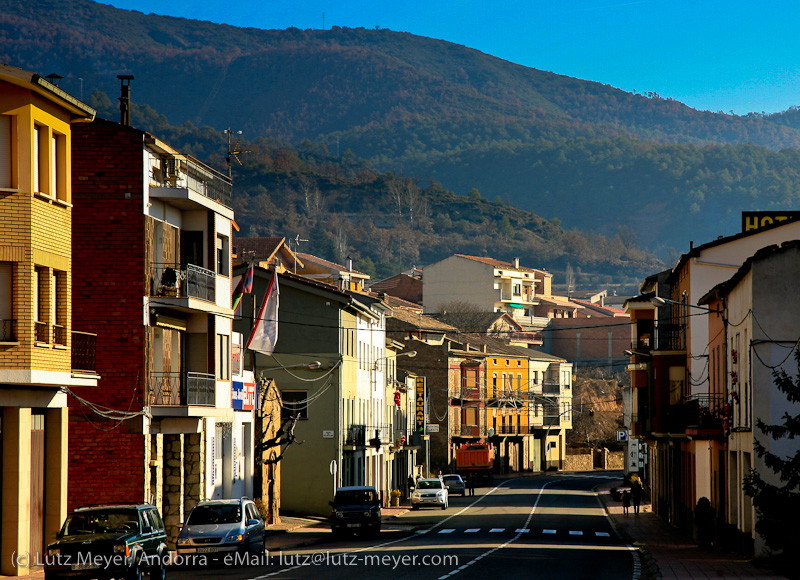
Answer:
[(111, 541), (356, 509)]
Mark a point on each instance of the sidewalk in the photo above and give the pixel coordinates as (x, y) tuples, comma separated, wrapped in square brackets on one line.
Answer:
[(667, 554)]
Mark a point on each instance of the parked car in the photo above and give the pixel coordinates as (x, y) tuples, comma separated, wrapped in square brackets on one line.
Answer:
[(356, 509), (454, 484), (110, 541), (222, 526), (429, 492)]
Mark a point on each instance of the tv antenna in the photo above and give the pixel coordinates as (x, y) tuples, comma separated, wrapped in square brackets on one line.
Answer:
[(234, 149), (297, 240)]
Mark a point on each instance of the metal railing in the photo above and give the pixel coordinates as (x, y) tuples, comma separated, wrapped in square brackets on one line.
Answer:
[(470, 430), (41, 332), (670, 337), (176, 281), (84, 351), (551, 387), (59, 335), (356, 436), (7, 331), (189, 389), (209, 183)]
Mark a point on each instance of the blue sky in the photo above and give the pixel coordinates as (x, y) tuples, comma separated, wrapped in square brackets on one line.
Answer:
[(731, 55)]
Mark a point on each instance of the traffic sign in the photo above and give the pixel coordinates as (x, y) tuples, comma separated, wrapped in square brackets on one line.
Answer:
[(622, 435)]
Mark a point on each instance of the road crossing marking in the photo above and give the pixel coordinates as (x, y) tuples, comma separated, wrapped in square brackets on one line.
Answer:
[(575, 533), (495, 530), (472, 530), (447, 531), (522, 530), (603, 534), (548, 531)]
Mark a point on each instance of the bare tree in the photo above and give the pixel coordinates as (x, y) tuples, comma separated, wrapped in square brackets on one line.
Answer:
[(340, 245), (313, 201), (465, 316)]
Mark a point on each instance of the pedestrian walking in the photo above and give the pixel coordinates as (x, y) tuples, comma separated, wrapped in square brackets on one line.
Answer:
[(471, 484), (626, 502), (411, 484), (636, 494), (704, 520)]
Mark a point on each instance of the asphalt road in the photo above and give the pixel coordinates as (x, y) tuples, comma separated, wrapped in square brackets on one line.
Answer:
[(546, 527)]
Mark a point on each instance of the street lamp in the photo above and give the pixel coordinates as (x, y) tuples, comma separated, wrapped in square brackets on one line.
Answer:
[(409, 354), (661, 302), (312, 366)]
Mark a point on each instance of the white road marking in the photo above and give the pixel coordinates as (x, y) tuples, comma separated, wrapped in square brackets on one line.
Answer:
[(575, 533), (472, 530), (496, 530), (548, 531), (447, 531)]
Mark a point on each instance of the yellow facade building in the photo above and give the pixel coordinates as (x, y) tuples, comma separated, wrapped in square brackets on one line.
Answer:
[(40, 353)]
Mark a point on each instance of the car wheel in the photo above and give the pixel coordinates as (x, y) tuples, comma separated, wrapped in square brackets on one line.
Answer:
[(158, 572), (444, 506), (134, 573)]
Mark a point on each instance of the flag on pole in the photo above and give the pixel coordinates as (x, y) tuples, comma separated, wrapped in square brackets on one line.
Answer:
[(265, 332), (245, 286)]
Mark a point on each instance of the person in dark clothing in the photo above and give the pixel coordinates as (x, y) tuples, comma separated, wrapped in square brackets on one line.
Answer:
[(411, 484), (704, 520), (636, 494), (626, 502), (471, 484)]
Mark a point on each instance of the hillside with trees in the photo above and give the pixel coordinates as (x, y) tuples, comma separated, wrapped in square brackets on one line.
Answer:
[(587, 154)]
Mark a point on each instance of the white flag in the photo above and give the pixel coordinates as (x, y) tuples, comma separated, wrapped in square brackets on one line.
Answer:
[(265, 332)]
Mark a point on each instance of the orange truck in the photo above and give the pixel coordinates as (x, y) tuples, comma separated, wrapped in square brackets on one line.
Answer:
[(475, 459)]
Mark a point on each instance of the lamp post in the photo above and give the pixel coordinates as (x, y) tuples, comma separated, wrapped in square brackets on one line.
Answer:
[(661, 302)]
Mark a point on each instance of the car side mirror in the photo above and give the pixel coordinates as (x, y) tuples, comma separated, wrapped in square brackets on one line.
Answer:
[(252, 522)]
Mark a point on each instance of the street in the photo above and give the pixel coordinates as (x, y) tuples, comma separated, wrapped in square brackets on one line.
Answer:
[(534, 527)]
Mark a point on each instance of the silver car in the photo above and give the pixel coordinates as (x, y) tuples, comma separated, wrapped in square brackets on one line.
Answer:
[(454, 484), (222, 526), (429, 492)]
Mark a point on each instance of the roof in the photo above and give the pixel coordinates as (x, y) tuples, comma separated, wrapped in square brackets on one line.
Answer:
[(498, 263), (495, 346), (42, 86), (402, 285), (721, 240), (607, 310), (725, 287), (309, 258), (421, 321), (559, 301), (482, 321), (264, 248)]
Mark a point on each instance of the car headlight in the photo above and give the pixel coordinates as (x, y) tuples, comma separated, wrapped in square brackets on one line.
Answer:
[(54, 551), (183, 541), (235, 536), (339, 515), (122, 549)]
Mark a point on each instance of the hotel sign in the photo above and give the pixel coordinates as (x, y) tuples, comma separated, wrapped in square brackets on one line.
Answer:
[(420, 406), (755, 220)]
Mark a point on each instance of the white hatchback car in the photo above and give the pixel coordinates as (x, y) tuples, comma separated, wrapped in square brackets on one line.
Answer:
[(429, 492)]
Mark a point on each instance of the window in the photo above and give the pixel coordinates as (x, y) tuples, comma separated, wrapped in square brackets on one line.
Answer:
[(5, 152), (58, 307), (37, 158), (223, 255), (294, 404), (223, 357), (6, 311)]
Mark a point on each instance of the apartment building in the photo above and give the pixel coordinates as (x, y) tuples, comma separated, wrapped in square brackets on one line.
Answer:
[(152, 250), (43, 354)]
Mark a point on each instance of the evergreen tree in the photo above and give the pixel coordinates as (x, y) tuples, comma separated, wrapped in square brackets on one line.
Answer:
[(778, 506)]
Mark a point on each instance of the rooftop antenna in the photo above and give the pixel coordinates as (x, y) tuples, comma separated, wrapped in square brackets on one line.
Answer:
[(234, 149), (323, 21), (297, 240)]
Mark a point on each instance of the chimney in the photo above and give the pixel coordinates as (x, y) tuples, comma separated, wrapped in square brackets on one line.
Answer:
[(516, 263), (348, 263), (125, 99)]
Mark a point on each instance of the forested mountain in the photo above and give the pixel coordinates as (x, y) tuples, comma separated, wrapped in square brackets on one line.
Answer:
[(588, 154)]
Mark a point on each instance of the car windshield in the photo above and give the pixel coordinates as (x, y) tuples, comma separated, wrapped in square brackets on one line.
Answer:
[(452, 479), (101, 522), (429, 484), (355, 496), (215, 514)]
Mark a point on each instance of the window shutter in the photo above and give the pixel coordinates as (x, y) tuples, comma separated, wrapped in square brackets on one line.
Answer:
[(5, 151)]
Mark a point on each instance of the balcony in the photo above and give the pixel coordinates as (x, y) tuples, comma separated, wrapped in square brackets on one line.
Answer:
[(356, 436), (189, 281), (470, 431), (84, 349), (41, 332), (698, 414), (182, 389), (187, 182), (7, 331), (551, 388), (472, 393), (670, 337), (513, 430)]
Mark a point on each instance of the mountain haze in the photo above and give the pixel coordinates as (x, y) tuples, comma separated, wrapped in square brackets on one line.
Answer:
[(589, 154)]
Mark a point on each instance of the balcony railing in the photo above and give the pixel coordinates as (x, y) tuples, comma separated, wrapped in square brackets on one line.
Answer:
[(472, 393), (703, 411), (84, 349), (41, 332), (189, 389), (670, 337), (356, 436), (59, 335), (7, 333), (190, 281), (513, 430), (551, 387), (470, 430)]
